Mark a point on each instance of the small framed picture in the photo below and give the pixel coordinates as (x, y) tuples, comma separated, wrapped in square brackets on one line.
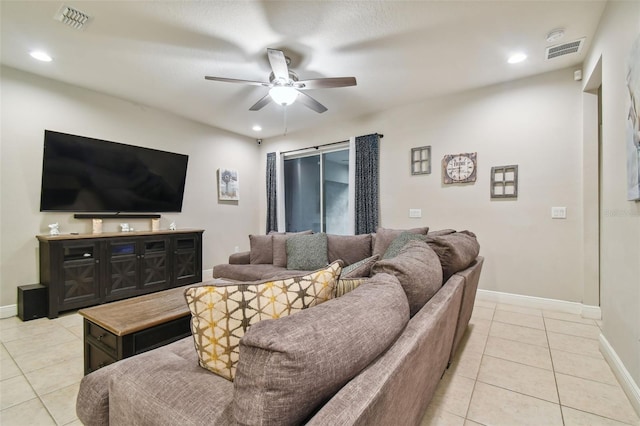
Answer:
[(504, 182), (228, 186), (421, 160)]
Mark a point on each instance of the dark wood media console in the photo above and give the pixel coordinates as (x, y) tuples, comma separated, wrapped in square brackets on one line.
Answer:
[(90, 269)]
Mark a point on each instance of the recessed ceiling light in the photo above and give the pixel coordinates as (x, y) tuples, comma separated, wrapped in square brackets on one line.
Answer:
[(517, 57), (40, 55), (256, 128), (555, 35)]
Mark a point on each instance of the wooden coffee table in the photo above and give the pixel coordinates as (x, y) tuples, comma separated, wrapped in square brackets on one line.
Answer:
[(128, 327)]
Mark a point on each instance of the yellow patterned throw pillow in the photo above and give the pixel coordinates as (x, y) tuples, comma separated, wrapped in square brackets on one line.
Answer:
[(220, 315)]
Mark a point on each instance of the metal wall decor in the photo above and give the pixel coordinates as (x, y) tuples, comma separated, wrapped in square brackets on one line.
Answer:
[(421, 160), (504, 182)]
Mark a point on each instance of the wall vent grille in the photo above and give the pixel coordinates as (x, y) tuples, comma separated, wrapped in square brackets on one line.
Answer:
[(565, 48), (72, 17)]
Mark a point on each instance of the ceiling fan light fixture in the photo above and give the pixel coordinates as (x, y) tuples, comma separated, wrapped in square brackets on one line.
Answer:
[(40, 55), (517, 58), (283, 95)]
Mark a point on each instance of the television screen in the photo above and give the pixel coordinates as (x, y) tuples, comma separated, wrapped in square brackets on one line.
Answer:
[(82, 174)]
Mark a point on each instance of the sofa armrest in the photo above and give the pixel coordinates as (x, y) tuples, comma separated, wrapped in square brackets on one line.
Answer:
[(242, 258)]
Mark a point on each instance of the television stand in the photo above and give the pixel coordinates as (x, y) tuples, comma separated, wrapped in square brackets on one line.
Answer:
[(83, 270)]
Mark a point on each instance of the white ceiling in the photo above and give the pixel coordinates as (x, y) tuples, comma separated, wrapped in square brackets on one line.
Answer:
[(157, 53)]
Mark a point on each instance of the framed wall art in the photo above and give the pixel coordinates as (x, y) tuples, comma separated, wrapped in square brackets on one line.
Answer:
[(228, 185), (504, 182), (421, 160)]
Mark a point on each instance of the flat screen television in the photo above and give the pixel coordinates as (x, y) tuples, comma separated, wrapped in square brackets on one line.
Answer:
[(81, 174)]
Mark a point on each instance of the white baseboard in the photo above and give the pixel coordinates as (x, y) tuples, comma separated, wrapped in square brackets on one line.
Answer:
[(586, 311), (207, 274), (629, 386), (8, 311)]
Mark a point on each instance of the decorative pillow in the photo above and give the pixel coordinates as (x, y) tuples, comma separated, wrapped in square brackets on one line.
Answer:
[(261, 249), (348, 248), (361, 268), (307, 252), (345, 285), (291, 366), (220, 315), (441, 232), (385, 236), (418, 269), (280, 247), (456, 251), (400, 241)]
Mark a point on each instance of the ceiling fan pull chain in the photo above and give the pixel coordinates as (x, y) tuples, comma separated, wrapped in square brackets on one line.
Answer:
[(285, 120)]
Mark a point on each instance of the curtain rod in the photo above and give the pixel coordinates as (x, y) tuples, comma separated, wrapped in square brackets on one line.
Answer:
[(323, 145)]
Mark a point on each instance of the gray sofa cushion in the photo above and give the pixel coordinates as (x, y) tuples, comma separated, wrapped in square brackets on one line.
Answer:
[(384, 237), (245, 272), (418, 269), (154, 387), (456, 251), (307, 252), (348, 248), (261, 249), (162, 387), (288, 367)]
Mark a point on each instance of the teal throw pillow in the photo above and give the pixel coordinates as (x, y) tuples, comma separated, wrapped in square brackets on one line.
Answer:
[(307, 252), (400, 241), (361, 268)]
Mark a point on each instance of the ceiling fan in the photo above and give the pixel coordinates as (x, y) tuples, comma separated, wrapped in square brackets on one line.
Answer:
[(285, 87)]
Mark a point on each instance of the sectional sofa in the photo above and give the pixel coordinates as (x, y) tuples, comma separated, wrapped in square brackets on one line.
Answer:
[(372, 356)]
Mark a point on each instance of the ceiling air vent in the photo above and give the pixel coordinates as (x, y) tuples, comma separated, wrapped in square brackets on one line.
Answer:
[(565, 48), (71, 17)]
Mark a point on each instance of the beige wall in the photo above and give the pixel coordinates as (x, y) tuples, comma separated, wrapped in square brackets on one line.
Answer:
[(31, 104), (620, 219), (535, 123)]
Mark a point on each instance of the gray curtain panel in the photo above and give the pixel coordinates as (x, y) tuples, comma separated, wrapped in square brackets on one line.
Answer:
[(367, 193), (272, 200)]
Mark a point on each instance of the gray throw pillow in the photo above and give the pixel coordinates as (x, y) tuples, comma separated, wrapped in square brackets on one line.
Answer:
[(400, 241), (280, 246), (418, 269), (307, 252), (456, 251), (361, 268), (384, 237)]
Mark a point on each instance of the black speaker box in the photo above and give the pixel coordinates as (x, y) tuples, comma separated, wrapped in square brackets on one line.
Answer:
[(32, 301)]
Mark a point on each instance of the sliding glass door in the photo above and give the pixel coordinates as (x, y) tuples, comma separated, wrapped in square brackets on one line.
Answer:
[(317, 192)]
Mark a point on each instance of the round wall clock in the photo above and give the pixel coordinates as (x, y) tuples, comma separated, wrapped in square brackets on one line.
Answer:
[(460, 168)]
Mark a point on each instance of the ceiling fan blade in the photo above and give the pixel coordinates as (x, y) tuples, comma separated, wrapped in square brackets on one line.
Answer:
[(278, 64), (261, 103), (311, 103), (325, 83), (235, 80)]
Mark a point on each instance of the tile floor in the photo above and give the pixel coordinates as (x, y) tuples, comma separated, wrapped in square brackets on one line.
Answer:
[(522, 366), (516, 366)]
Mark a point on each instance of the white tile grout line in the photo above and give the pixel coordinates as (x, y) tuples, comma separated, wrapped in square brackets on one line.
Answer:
[(37, 394)]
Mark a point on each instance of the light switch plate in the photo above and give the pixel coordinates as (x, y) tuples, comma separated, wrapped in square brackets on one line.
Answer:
[(415, 212), (558, 212)]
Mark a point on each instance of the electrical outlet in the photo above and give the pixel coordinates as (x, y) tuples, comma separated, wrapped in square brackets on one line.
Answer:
[(558, 212), (236, 249), (415, 212)]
